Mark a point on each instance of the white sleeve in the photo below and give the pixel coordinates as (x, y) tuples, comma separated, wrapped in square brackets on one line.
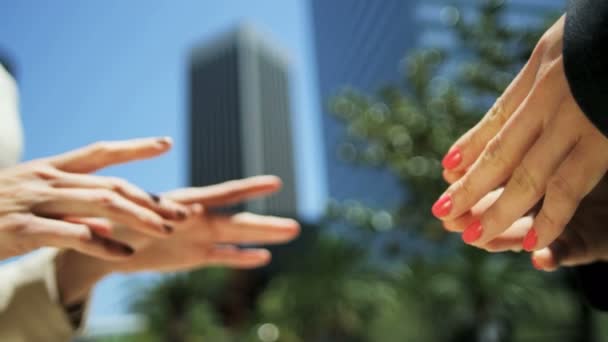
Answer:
[(29, 302), (11, 133)]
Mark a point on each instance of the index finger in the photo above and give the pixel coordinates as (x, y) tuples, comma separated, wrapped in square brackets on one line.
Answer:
[(227, 193), (465, 151), (104, 154)]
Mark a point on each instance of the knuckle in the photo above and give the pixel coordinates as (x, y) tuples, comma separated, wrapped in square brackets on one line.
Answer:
[(552, 220), (107, 198), (540, 48), (84, 235), (118, 184), (547, 75), (19, 221), (560, 188), (497, 114), (45, 172), (494, 153), (493, 220), (99, 147), (524, 181), (464, 188)]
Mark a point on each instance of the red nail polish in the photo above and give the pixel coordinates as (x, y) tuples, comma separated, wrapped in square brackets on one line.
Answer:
[(443, 206), (536, 265), (530, 240), (452, 159), (472, 233)]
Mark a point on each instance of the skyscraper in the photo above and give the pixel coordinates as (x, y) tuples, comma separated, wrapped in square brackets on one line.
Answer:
[(240, 120), (359, 43)]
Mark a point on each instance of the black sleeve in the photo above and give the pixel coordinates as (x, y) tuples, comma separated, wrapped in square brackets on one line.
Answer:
[(586, 57), (586, 67), (593, 281)]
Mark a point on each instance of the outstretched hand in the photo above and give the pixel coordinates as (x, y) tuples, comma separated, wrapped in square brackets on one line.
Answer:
[(37, 196)]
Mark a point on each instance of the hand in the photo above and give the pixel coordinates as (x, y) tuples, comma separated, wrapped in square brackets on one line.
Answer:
[(35, 197), (584, 241), (204, 239), (536, 140)]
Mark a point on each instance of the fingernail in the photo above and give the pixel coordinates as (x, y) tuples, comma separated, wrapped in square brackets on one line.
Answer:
[(452, 159), (154, 197), (443, 206), (530, 240), (165, 141), (168, 229), (181, 215), (536, 264), (472, 233)]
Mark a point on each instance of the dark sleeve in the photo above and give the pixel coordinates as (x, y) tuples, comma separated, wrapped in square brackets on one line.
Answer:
[(586, 67), (586, 58), (593, 281)]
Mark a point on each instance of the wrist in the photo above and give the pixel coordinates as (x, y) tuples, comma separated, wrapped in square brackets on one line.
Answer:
[(76, 275)]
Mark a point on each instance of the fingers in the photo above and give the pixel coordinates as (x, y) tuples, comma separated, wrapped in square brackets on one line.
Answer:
[(228, 193), (103, 154), (570, 249), (42, 232), (461, 222), (103, 203), (576, 177), (246, 228), (529, 180), (166, 208), (502, 154), (230, 256), (510, 239), (467, 149)]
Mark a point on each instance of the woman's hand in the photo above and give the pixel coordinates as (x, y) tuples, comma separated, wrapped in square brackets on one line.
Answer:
[(204, 239), (38, 200), (538, 142), (584, 241)]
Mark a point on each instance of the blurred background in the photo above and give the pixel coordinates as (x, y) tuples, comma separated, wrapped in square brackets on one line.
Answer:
[(353, 103)]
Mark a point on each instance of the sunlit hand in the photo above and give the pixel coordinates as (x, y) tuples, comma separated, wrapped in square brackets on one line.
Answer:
[(204, 239), (537, 141), (584, 241), (36, 196)]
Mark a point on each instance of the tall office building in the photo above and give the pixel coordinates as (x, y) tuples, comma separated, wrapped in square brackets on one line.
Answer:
[(360, 43), (240, 120)]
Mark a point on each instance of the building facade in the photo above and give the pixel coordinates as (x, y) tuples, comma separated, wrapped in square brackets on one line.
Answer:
[(240, 120)]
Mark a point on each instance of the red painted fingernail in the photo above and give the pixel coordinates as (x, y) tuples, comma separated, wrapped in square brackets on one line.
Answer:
[(536, 265), (472, 233), (452, 159), (443, 206), (530, 240)]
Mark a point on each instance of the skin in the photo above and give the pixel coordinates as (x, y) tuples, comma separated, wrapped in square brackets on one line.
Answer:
[(35, 197), (584, 241), (204, 239), (538, 144)]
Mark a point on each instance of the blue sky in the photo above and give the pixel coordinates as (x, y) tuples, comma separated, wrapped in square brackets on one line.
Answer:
[(113, 69)]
